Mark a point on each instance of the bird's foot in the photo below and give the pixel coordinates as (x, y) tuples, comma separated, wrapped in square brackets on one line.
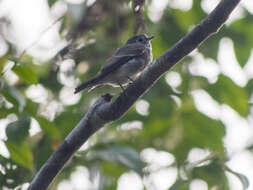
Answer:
[(131, 80), (123, 90)]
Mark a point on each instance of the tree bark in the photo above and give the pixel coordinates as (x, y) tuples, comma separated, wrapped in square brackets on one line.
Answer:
[(104, 110)]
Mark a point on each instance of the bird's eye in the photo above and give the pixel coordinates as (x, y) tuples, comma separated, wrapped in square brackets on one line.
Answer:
[(140, 40)]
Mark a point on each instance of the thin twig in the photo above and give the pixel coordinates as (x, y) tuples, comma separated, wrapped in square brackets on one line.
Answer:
[(138, 6)]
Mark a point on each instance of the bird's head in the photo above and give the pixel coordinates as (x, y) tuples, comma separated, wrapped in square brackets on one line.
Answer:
[(140, 38)]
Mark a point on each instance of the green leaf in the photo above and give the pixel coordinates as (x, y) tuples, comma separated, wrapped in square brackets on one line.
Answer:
[(179, 184), (226, 92), (249, 86), (200, 131), (242, 52), (242, 38), (10, 171), (212, 173), (244, 180), (3, 60), (51, 2), (31, 107), (66, 121), (118, 153), (14, 97), (25, 73), (113, 169), (5, 112), (18, 130), (20, 153), (162, 126), (203, 131), (48, 127), (210, 47), (45, 147)]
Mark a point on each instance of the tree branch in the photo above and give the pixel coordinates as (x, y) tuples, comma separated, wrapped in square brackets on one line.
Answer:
[(104, 110), (138, 6)]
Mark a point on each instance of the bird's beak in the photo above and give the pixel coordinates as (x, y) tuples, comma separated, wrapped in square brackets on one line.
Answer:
[(150, 38)]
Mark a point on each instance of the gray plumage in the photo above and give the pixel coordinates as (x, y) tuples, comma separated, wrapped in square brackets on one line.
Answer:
[(124, 65)]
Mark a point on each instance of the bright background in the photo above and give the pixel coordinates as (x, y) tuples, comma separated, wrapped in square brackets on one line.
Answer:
[(199, 108)]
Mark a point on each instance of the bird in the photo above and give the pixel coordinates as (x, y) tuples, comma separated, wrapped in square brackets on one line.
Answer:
[(124, 66)]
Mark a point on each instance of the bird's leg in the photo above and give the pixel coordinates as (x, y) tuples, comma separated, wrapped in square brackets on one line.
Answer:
[(121, 87), (129, 78), (123, 90)]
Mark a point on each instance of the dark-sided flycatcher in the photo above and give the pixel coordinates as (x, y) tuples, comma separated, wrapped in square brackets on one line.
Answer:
[(125, 64)]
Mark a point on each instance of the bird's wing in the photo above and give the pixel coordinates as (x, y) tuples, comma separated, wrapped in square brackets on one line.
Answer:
[(122, 56)]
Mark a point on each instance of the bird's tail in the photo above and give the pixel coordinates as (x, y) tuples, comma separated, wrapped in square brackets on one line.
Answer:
[(90, 83)]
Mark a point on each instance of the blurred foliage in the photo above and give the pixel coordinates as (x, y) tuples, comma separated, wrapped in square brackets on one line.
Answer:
[(169, 126)]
